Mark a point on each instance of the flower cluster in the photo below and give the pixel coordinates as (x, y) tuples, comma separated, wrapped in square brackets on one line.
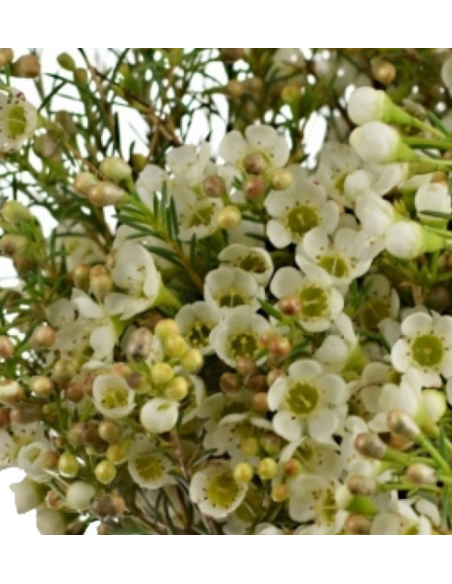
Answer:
[(252, 347)]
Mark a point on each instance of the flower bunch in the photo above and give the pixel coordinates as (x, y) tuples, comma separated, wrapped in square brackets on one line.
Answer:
[(231, 340)]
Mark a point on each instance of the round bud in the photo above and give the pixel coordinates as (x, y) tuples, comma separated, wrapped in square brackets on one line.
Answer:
[(243, 473), (254, 188), (138, 382), (231, 55), (84, 182), (175, 346), (68, 465), (49, 460), (279, 347), (116, 454), (80, 276), (44, 336), (361, 485), (280, 493), (115, 169), (256, 163), (421, 474), (384, 72), (139, 162), (439, 298), (271, 443), (267, 469), (274, 375), (291, 93), (139, 344), (358, 525), (370, 446), (42, 386), (166, 327), (246, 366), (293, 468), (260, 403), (235, 89), (162, 373), (76, 434), (109, 432), (105, 472), (12, 245), (109, 505), (214, 186), (281, 179), (63, 371), (74, 393), (230, 383), (290, 305), (27, 67), (177, 389), (229, 217), (6, 57), (403, 424), (103, 530), (100, 282), (15, 212), (81, 76), (192, 361), (11, 393), (250, 447), (257, 383), (66, 61), (6, 347), (106, 194), (79, 496)]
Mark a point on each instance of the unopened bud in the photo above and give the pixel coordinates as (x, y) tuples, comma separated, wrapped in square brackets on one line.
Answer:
[(370, 445), (47, 145), (105, 472), (384, 72), (250, 447), (15, 212), (49, 460), (79, 496), (76, 434), (177, 389), (80, 276), (229, 217), (260, 403), (11, 393), (359, 525), (293, 468), (138, 162), (256, 163), (110, 432), (279, 347), (66, 121), (257, 383), (214, 186), (6, 57), (139, 344), (274, 375), (254, 187), (192, 361), (84, 182), (6, 347), (162, 373), (66, 61), (290, 305), (68, 465), (116, 454), (27, 67), (100, 282), (280, 493), (243, 473), (231, 55), (109, 505), (230, 383), (81, 76), (12, 245), (115, 169), (403, 424), (235, 89), (246, 366), (63, 371), (267, 469), (175, 346), (106, 194), (421, 474), (291, 93), (281, 179), (25, 414), (271, 443), (361, 485), (166, 327), (74, 393), (44, 336)]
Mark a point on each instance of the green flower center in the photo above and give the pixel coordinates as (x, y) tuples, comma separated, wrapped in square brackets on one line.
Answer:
[(149, 467), (314, 301), (115, 397), (301, 220), (374, 312), (335, 265), (328, 507), (201, 216), (231, 298), (198, 335), (413, 530), (428, 350), (244, 345), (303, 399), (222, 490), (252, 263), (17, 121)]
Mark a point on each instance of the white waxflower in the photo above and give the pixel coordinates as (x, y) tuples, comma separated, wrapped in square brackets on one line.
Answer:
[(150, 182), (345, 258), (113, 397), (18, 119), (318, 459), (254, 260), (402, 519), (376, 142), (375, 214), (50, 522), (263, 140), (29, 460), (426, 347), (196, 321), (381, 302), (408, 240), (370, 385), (7, 450), (299, 209), (308, 401), (238, 335), (78, 248), (188, 165), (19, 435), (320, 302), (79, 495), (148, 467), (27, 496), (215, 491), (136, 274), (125, 233), (196, 216), (433, 197), (159, 415), (228, 288), (341, 348), (336, 162)]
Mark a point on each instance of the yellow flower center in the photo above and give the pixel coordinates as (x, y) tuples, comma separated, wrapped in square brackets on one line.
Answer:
[(428, 351)]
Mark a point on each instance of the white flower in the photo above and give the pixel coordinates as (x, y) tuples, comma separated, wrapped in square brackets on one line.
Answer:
[(29, 460), (381, 302), (345, 258), (265, 529), (379, 143), (18, 120), (113, 397), (27, 496), (254, 260), (78, 247), (134, 272), (228, 288), (149, 183), (375, 214), (196, 216), (403, 520), (238, 335), (126, 233), (367, 105), (264, 140), (19, 436), (321, 303), (433, 197), (159, 415), (196, 321), (340, 348), (426, 347), (308, 401), (50, 522), (299, 209), (336, 162), (148, 467), (215, 491)]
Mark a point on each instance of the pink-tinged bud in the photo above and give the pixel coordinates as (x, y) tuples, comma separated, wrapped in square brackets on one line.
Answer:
[(290, 305), (359, 525), (256, 163), (64, 371), (260, 403), (230, 383), (44, 336), (6, 347), (403, 424), (279, 347), (109, 505), (254, 187), (422, 474), (25, 414), (27, 67), (214, 186), (370, 445), (362, 485), (84, 182), (105, 194), (100, 282)]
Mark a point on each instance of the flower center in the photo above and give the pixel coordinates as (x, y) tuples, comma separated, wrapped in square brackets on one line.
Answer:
[(335, 266), (231, 298), (301, 220), (428, 350), (303, 399), (244, 345), (149, 467), (314, 301), (413, 530), (17, 122), (328, 507), (222, 490), (115, 397), (198, 335), (252, 263), (201, 215), (374, 312)]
